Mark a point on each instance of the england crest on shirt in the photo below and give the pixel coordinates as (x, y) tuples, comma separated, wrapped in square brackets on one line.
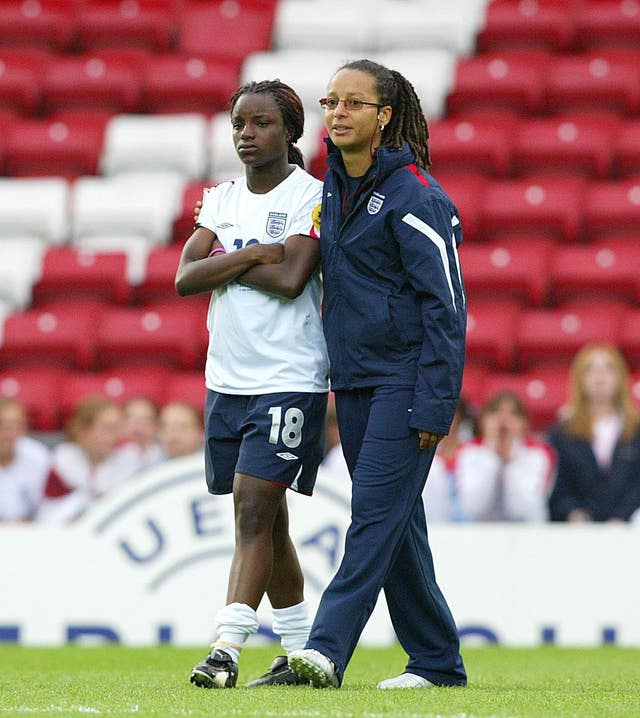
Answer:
[(276, 222), (375, 203)]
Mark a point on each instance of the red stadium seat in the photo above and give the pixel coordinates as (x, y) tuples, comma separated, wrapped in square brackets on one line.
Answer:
[(512, 81), (553, 336), (92, 82), (183, 225), (239, 28), (626, 149), (594, 80), (127, 23), (187, 386), (547, 24), (612, 209), (160, 273), (58, 336), (48, 24), (188, 83), (21, 73), (167, 335), (467, 191), (65, 147), (491, 330), (515, 270), (119, 384), (471, 145), (550, 207), (473, 383), (564, 145), (630, 338), (39, 390), (608, 24), (543, 390), (601, 269), (78, 273)]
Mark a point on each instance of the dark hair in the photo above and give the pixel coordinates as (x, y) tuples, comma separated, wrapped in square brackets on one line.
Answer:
[(407, 121), (495, 401), (290, 107)]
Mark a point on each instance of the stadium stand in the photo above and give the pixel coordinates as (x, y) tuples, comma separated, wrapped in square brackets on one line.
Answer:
[(113, 121)]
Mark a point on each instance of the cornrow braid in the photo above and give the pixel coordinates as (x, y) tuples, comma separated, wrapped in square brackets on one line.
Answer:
[(407, 122), (290, 106)]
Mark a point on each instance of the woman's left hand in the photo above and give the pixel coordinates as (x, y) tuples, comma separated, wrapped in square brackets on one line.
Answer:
[(429, 440)]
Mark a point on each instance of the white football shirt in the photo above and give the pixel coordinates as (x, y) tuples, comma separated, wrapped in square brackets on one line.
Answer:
[(260, 343)]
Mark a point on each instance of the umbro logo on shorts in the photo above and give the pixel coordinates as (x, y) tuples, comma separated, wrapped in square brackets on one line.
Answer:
[(287, 456)]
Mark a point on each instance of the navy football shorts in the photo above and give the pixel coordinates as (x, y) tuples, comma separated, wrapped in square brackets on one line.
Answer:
[(276, 437)]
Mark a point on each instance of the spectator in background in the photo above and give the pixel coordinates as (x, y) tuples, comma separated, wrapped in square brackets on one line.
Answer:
[(440, 497), (87, 465), (504, 474), (181, 432), (140, 435), (24, 463), (598, 444)]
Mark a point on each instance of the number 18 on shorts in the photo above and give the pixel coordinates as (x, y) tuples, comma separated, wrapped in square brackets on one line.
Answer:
[(276, 437)]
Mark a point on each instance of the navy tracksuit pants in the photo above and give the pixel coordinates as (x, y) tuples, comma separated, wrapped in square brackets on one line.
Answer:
[(386, 545)]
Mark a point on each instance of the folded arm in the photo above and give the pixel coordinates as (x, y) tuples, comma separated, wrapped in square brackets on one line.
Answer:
[(288, 277), (200, 272)]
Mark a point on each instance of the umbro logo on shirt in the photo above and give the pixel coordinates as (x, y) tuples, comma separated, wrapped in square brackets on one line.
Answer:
[(287, 456), (224, 225)]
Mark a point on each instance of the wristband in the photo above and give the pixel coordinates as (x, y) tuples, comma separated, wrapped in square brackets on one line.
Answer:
[(217, 250)]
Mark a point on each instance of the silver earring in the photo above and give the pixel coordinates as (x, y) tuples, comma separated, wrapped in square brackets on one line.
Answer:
[(381, 128)]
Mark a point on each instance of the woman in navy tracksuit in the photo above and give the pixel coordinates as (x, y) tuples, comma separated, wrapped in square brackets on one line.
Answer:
[(394, 319)]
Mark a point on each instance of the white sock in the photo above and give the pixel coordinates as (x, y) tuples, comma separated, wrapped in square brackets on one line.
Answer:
[(292, 624), (234, 624)]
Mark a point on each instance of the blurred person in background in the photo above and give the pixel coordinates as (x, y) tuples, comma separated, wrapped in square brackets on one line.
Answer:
[(504, 474), (598, 443), (24, 465), (180, 430), (440, 497), (88, 464), (140, 432)]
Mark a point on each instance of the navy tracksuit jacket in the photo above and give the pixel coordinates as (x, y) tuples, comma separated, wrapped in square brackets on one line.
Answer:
[(394, 319)]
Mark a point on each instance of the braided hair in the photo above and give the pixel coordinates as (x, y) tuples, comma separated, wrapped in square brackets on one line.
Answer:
[(290, 106), (407, 121)]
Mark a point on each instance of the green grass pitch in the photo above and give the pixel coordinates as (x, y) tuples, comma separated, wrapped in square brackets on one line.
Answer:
[(546, 682)]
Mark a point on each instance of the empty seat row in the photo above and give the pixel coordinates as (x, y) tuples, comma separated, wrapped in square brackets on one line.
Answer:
[(92, 335), (159, 25), (528, 272), (599, 146), (38, 82), (532, 82), (559, 208), (33, 274), (560, 24), (537, 272), (50, 394), (157, 207), (505, 336)]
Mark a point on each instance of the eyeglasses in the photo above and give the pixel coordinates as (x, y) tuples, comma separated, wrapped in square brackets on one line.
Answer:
[(350, 103)]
